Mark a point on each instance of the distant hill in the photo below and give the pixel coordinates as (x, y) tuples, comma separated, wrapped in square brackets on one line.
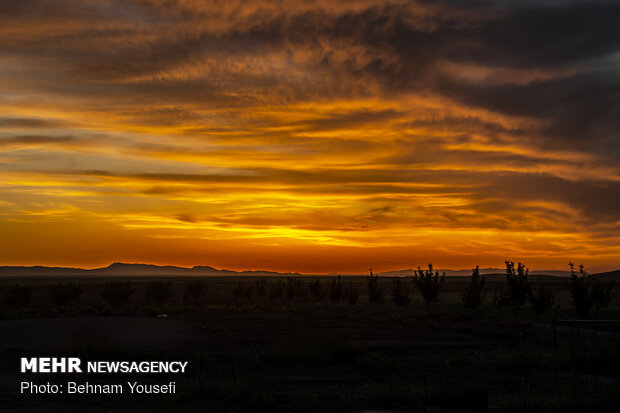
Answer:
[(124, 269), (609, 275)]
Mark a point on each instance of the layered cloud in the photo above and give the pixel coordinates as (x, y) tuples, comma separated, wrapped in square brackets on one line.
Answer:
[(310, 136)]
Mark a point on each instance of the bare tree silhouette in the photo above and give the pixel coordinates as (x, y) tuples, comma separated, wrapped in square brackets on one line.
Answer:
[(159, 291), (587, 292), (400, 292), (117, 292), (430, 284), (475, 291), (519, 287), (18, 296), (375, 292), (195, 290)]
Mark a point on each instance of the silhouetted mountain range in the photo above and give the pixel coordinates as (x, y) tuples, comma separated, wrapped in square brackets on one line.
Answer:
[(119, 268)]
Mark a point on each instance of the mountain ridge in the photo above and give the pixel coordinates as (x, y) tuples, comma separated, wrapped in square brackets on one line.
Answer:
[(120, 269)]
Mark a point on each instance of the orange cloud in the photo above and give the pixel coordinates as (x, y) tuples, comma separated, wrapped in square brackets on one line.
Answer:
[(317, 137)]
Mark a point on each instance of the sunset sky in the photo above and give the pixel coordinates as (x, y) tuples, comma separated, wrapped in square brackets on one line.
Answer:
[(310, 136)]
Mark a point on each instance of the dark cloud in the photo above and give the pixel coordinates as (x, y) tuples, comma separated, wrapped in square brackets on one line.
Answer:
[(598, 200), (348, 120), (35, 140), (349, 51), (29, 123), (580, 111)]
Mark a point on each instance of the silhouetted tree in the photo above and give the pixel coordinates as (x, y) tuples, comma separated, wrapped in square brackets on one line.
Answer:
[(375, 291), (351, 294), (243, 290), (159, 291), (542, 298), (430, 284), (602, 295), (336, 289), (519, 287), (261, 287), (317, 289), (62, 294), (295, 288), (587, 292), (117, 292), (276, 292), (18, 296), (474, 293), (400, 292), (195, 290)]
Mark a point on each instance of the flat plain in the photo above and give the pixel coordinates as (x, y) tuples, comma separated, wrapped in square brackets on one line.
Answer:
[(260, 351)]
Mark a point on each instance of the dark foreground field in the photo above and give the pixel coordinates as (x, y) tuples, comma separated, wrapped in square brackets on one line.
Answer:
[(276, 354)]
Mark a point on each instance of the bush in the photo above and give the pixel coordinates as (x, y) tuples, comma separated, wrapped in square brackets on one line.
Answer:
[(375, 292), (295, 288), (500, 300), (519, 287), (260, 287), (586, 292), (317, 289), (276, 292), (159, 291), (602, 295), (243, 290), (18, 296), (62, 294), (351, 294), (430, 284), (117, 292), (474, 293), (336, 289), (400, 292), (195, 290), (541, 298)]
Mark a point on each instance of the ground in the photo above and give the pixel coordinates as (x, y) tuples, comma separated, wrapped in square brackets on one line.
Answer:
[(280, 355)]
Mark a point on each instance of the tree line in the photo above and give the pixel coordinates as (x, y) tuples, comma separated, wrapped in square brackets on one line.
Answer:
[(588, 294)]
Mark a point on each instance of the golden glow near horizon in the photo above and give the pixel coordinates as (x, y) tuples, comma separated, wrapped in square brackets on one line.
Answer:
[(314, 138)]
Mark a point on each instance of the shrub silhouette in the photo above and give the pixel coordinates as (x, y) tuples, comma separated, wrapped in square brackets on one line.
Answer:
[(351, 294), (336, 289), (500, 300), (430, 284), (276, 292), (541, 298), (400, 292), (62, 294), (474, 292), (602, 295), (586, 292), (375, 292), (260, 287), (159, 291), (518, 284), (243, 290), (195, 290), (117, 292), (317, 289), (295, 288), (18, 296)]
